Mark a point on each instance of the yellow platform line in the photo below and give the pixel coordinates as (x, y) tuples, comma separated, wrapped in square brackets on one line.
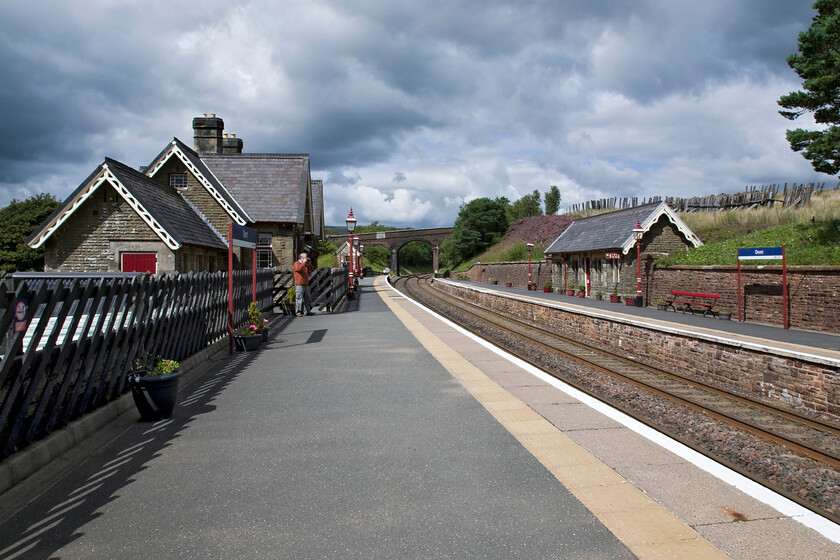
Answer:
[(649, 530)]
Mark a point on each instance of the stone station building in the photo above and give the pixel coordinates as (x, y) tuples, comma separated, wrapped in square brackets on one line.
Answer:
[(599, 252), (174, 215)]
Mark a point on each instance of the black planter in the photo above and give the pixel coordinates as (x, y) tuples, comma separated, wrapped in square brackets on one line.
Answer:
[(154, 395), (247, 342), (264, 333)]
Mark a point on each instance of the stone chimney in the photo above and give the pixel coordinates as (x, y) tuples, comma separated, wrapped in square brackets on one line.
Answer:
[(231, 144), (207, 134)]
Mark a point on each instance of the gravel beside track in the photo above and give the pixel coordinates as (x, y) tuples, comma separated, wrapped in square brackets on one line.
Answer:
[(812, 483)]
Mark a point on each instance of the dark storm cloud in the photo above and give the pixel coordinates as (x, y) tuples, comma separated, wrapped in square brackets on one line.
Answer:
[(466, 99)]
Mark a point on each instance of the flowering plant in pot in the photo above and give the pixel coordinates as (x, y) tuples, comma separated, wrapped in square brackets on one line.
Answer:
[(248, 338), (582, 290), (547, 287), (570, 289), (154, 386), (662, 305), (614, 297), (723, 313), (599, 295)]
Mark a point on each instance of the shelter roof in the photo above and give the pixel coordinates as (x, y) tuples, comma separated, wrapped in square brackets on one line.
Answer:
[(614, 230)]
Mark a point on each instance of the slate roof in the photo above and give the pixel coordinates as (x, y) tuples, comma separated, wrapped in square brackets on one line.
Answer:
[(613, 230), (269, 187), (167, 207), (205, 171)]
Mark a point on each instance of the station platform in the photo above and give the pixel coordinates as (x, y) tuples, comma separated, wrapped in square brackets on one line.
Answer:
[(386, 432), (798, 340)]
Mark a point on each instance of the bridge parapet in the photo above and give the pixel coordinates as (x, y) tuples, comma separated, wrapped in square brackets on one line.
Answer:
[(394, 240)]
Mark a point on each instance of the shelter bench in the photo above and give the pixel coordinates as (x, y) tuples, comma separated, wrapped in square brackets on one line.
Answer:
[(695, 302)]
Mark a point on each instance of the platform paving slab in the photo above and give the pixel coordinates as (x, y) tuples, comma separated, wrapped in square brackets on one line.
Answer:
[(359, 445), (712, 507)]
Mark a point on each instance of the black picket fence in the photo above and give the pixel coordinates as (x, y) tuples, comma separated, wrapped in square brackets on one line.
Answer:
[(80, 335)]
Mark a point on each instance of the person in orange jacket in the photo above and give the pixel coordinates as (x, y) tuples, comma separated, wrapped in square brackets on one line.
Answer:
[(303, 267)]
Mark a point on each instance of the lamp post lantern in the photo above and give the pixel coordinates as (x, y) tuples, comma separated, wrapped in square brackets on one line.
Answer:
[(351, 227), (530, 247), (638, 232)]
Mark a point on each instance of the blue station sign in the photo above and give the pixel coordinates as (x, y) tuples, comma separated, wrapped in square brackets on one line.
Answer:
[(244, 237), (760, 253)]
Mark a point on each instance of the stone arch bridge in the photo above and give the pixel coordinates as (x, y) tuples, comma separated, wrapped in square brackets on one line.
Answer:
[(394, 241)]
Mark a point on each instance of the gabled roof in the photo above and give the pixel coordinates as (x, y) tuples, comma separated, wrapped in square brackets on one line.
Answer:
[(205, 176), (163, 209), (614, 230), (270, 187)]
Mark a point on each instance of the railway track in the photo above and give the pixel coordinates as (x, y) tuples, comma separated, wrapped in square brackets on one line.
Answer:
[(794, 455)]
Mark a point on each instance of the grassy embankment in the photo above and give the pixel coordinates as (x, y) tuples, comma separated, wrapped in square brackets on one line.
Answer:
[(811, 235)]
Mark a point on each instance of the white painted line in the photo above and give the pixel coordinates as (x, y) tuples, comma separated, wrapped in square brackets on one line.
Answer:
[(783, 505)]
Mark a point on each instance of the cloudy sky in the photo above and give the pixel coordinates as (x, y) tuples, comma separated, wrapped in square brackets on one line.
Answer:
[(408, 108)]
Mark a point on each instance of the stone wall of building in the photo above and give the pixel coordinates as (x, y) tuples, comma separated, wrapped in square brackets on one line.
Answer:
[(84, 242), (787, 379), (196, 193)]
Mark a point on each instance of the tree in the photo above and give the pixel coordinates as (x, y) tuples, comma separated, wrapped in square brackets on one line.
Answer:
[(17, 221), (480, 223), (528, 205), (819, 67), (552, 200)]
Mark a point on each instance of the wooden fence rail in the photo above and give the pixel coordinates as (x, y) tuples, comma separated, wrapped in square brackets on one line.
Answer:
[(81, 335), (752, 197)]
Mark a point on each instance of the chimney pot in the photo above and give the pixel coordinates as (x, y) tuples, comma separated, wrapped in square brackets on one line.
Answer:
[(231, 144), (207, 134)]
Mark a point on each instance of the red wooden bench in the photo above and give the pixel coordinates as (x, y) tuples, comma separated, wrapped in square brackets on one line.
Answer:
[(695, 302)]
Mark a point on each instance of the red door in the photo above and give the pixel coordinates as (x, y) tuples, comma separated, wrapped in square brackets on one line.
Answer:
[(139, 262)]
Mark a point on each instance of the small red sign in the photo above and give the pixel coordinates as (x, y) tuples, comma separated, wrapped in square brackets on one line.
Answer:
[(612, 256)]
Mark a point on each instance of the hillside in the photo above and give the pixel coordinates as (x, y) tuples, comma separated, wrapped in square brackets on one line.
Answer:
[(811, 234), (539, 230)]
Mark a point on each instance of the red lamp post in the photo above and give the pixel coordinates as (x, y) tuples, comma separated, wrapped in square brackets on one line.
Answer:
[(530, 247), (356, 260), (638, 232), (351, 226)]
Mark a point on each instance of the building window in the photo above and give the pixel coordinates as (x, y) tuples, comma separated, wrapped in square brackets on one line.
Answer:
[(265, 258), (265, 255), (178, 180)]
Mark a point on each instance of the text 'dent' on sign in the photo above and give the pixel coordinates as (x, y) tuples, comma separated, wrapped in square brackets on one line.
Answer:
[(244, 236), (760, 253)]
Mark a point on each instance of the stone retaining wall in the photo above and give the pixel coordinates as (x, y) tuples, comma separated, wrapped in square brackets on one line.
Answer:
[(813, 291), (787, 380)]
